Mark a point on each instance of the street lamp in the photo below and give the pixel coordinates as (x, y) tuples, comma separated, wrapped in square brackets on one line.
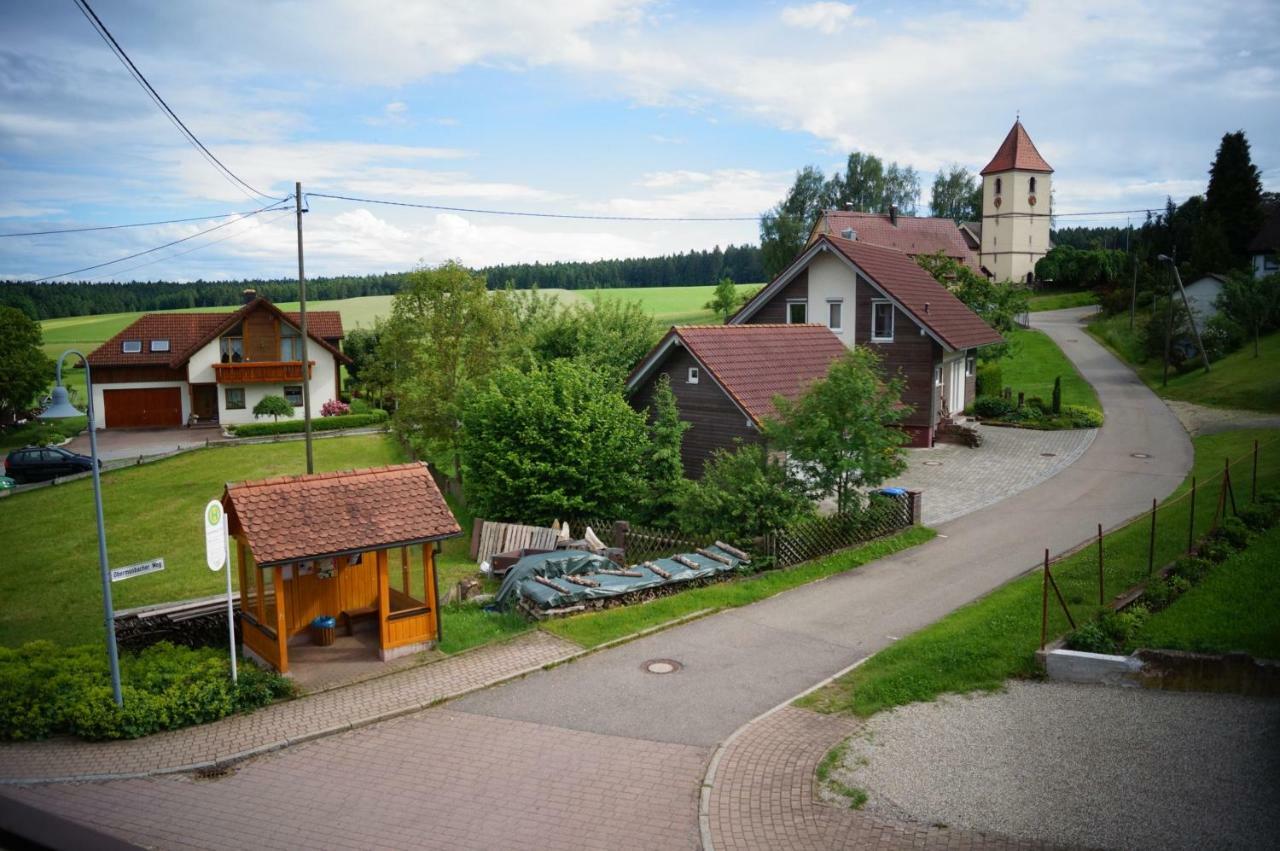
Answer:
[(59, 409), (1191, 317)]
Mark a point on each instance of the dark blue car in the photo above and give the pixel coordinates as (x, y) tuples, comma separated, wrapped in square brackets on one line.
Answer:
[(41, 463)]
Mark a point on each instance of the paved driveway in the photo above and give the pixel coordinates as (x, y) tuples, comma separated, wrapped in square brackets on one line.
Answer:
[(627, 721), (130, 443)]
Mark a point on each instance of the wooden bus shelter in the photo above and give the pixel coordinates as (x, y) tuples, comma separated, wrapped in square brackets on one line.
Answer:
[(324, 544)]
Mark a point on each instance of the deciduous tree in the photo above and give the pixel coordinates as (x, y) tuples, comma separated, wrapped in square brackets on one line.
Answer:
[(724, 299), (25, 371), (274, 407), (1253, 303), (956, 195)]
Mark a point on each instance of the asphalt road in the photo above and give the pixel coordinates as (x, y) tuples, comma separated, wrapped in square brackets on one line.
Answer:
[(743, 662)]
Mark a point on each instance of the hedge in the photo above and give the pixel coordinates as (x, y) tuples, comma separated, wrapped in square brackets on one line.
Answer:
[(46, 689), (317, 424)]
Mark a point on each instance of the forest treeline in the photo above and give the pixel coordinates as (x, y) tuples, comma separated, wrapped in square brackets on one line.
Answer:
[(741, 263)]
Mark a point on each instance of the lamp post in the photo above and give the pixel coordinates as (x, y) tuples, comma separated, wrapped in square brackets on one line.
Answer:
[(61, 408), (1191, 317)]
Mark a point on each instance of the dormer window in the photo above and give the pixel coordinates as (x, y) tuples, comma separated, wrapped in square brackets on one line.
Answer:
[(159, 345), (131, 347)]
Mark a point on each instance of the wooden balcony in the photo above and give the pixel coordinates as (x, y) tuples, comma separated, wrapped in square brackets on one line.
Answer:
[(260, 372)]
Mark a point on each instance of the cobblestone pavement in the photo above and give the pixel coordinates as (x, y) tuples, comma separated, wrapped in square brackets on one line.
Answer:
[(284, 723), (957, 480), (763, 795), (435, 779)]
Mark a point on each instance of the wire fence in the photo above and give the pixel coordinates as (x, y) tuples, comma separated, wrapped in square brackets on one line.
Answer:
[(1100, 574), (819, 536)]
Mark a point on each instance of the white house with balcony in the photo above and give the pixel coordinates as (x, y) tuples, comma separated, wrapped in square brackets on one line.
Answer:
[(172, 369)]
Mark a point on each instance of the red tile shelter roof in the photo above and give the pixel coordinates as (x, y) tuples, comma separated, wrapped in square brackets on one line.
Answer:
[(1017, 151), (910, 234), (755, 363), (928, 302), (188, 332), (292, 518)]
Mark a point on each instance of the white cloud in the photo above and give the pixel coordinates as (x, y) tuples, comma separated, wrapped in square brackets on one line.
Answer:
[(825, 17)]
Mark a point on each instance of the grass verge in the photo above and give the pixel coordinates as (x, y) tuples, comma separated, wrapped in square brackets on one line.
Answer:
[(596, 628), (979, 646), (1235, 608), (466, 626), (1058, 301), (1032, 364)]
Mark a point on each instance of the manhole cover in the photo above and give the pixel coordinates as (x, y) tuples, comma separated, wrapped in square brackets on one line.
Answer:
[(661, 666), (1048, 454), (1139, 455), (933, 463)]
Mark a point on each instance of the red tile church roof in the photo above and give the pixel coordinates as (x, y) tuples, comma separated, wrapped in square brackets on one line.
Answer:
[(1017, 151)]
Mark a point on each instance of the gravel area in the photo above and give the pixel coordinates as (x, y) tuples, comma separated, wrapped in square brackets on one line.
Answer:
[(1199, 419), (1080, 765)]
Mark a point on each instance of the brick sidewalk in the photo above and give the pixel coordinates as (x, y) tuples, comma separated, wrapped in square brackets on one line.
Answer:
[(285, 723), (763, 795)]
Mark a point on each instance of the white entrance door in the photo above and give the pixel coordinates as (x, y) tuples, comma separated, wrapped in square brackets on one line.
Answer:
[(955, 395)]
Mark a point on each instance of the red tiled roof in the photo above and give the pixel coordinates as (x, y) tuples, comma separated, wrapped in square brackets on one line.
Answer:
[(1017, 152), (187, 332), (755, 363), (911, 234), (291, 518), (929, 303)]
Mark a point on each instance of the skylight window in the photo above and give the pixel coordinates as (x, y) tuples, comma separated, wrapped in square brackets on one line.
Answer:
[(159, 345), (131, 347)]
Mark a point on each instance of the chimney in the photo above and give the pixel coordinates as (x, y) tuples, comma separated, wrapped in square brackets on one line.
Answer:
[(248, 295), (893, 214), (849, 233)]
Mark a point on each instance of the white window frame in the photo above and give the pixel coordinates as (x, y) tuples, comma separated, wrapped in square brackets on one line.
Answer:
[(159, 345), (226, 398), (692, 376), (838, 304), (131, 347), (802, 302), (970, 364), (937, 375), (875, 304), (284, 391)]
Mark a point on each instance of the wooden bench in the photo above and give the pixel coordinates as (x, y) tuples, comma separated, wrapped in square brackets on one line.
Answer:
[(350, 615)]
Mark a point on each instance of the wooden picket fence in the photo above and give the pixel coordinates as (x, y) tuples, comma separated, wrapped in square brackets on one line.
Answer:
[(810, 539)]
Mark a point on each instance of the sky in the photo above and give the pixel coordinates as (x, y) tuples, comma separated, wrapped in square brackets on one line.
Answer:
[(596, 107)]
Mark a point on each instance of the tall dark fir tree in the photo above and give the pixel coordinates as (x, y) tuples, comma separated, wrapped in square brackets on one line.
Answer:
[(1233, 201)]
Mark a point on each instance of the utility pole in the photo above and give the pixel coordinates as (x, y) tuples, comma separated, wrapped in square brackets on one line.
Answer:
[(1133, 261), (302, 315), (1168, 334), (1186, 303)]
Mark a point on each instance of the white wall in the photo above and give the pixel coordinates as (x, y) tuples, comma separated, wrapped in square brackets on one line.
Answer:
[(100, 407), (831, 278), (324, 386), (1202, 294), (1261, 263)]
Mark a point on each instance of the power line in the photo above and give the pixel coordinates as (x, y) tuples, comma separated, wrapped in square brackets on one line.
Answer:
[(269, 221), (274, 206), (115, 47), (130, 225), (582, 217)]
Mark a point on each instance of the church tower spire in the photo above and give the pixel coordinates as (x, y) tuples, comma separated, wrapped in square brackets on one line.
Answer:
[(1016, 193)]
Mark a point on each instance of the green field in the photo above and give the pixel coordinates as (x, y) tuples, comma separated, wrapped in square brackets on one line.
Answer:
[(1032, 364), (50, 583), (1238, 380), (1058, 301), (1236, 608)]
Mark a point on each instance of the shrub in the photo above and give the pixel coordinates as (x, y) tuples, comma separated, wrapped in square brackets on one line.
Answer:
[(1091, 638), (743, 494), (1056, 405), (990, 380), (1215, 550), (1258, 517), (1191, 568), (993, 407), (322, 424), (1035, 403), (334, 408), (1082, 417), (273, 406), (1158, 594), (1120, 626), (46, 690), (1233, 532)]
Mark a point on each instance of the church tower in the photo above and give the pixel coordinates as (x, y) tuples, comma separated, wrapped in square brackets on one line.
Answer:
[(1016, 193)]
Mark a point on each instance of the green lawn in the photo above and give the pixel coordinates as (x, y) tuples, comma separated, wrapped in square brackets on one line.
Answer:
[(1058, 301), (1238, 380), (595, 628), (979, 646), (1034, 361), (1235, 608), (50, 583)]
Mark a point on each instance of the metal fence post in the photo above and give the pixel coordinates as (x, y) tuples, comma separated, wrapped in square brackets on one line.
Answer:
[(1044, 602), (1101, 580), (1191, 527), (1151, 548), (1226, 486), (1253, 486)]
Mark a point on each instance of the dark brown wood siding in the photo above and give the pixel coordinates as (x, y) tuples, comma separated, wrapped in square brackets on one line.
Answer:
[(141, 372), (715, 421), (912, 355), (774, 311)]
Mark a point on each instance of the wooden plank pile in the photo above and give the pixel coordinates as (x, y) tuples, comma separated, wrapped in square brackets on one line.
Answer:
[(490, 538), (192, 623)]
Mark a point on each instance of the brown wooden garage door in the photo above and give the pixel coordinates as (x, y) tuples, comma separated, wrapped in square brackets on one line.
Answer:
[(143, 407)]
